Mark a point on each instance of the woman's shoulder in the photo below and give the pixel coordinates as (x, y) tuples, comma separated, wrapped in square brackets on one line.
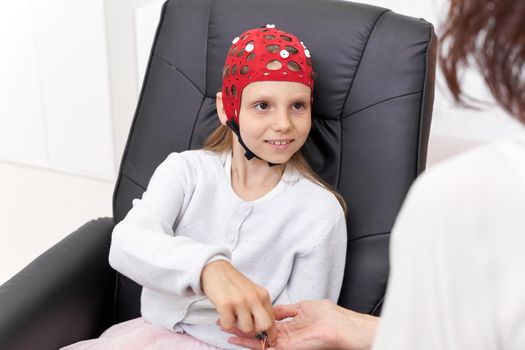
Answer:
[(490, 171), (477, 196), (495, 160)]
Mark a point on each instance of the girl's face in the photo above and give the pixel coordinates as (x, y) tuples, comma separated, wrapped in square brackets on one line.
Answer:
[(275, 118)]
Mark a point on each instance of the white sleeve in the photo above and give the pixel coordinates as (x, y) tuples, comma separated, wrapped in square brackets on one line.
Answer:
[(318, 272), (455, 254), (143, 245)]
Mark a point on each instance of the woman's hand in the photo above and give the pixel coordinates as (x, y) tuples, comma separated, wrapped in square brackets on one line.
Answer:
[(241, 304), (316, 325)]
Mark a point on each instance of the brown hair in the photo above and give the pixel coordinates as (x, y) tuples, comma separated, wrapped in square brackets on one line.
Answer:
[(221, 140), (490, 35)]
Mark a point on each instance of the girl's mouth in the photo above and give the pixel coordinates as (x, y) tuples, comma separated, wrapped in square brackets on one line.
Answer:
[(279, 144)]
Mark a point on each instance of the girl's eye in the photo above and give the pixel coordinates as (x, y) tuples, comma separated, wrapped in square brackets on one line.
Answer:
[(298, 105), (261, 106)]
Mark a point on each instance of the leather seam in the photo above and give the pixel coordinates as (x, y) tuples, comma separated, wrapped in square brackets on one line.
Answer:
[(382, 101), (134, 182), (420, 167), (206, 49), (169, 64), (205, 80), (195, 122), (377, 306), (360, 59), (348, 93), (368, 236)]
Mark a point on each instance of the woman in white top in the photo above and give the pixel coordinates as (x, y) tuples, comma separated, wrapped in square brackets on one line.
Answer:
[(457, 276)]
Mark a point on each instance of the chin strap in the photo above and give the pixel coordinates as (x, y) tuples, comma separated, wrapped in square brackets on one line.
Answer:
[(248, 154)]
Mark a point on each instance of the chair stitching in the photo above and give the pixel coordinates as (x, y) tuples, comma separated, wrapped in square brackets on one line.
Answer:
[(368, 236), (195, 122), (377, 306), (166, 62), (133, 182), (348, 93), (361, 57), (379, 102), (205, 78), (206, 48), (420, 167), (115, 295)]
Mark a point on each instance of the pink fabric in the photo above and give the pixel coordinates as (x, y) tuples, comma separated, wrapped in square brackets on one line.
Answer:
[(139, 334)]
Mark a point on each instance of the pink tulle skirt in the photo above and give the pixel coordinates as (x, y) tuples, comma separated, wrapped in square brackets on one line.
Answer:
[(139, 334)]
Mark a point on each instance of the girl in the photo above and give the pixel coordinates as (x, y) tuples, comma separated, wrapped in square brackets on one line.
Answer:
[(216, 225)]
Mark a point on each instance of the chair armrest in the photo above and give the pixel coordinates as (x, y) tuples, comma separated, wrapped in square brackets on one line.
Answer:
[(63, 296)]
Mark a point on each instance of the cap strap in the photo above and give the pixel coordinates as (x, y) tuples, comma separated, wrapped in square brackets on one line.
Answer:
[(248, 154)]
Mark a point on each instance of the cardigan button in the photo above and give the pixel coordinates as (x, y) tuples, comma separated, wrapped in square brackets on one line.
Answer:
[(246, 208)]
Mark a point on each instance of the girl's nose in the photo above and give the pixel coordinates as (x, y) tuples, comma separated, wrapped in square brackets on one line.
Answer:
[(281, 121)]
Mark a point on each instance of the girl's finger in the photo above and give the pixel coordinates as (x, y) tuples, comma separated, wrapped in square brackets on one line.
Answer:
[(271, 331), (226, 318), (264, 322), (263, 319), (244, 319)]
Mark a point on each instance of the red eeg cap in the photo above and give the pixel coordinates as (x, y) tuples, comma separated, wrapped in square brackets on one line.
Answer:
[(263, 54)]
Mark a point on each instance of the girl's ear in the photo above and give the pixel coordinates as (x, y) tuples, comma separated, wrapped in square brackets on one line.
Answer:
[(220, 109)]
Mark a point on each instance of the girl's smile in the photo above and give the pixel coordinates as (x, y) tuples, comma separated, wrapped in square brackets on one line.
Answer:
[(275, 118), (279, 144)]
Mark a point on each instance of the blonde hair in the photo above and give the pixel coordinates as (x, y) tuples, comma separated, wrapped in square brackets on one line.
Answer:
[(221, 140)]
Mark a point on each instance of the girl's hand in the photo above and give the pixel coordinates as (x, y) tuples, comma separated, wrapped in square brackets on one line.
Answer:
[(241, 304), (316, 325)]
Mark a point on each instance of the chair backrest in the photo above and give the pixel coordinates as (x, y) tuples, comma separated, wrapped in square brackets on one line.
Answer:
[(371, 116)]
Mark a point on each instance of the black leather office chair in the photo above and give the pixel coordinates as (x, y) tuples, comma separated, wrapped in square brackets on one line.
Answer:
[(371, 120)]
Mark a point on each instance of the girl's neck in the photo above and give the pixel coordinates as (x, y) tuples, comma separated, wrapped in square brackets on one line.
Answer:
[(252, 179)]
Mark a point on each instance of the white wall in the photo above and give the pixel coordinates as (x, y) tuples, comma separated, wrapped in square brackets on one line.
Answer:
[(71, 72), (54, 91), (131, 26)]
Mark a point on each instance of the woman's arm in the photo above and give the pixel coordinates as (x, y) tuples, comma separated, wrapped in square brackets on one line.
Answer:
[(317, 325)]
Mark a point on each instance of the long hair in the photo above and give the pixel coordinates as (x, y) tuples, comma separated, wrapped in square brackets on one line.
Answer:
[(490, 36), (221, 140)]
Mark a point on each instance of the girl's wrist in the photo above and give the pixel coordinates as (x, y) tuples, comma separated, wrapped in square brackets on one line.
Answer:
[(209, 268)]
